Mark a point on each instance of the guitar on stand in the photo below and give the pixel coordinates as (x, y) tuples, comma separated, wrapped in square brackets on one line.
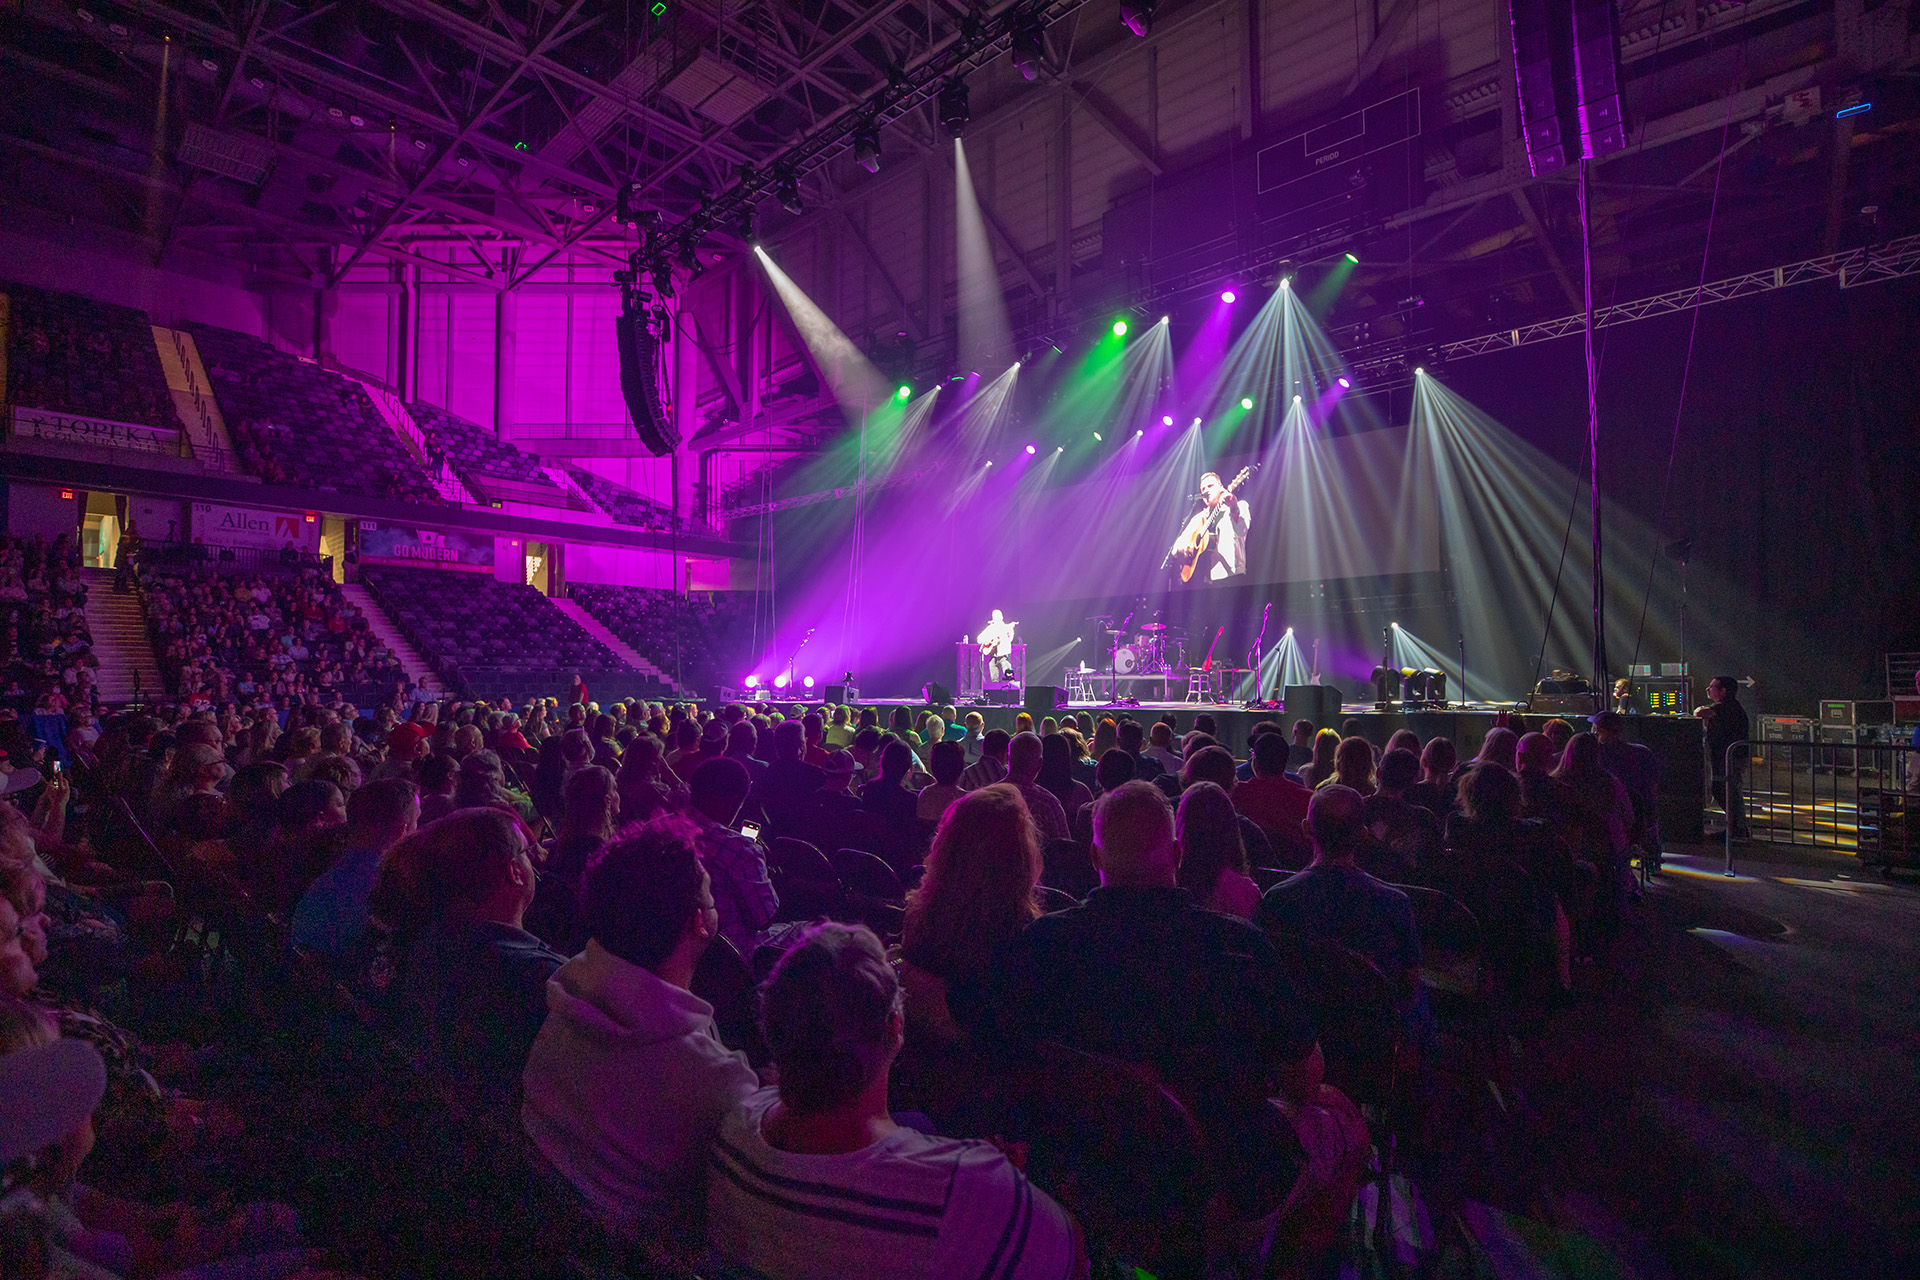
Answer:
[(1203, 533)]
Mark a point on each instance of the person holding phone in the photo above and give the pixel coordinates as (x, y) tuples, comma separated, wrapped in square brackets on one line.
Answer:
[(742, 890)]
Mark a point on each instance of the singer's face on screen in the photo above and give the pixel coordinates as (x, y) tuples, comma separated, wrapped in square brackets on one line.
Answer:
[(1211, 490)]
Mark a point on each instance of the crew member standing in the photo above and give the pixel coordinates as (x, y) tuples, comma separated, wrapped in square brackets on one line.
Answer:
[(1726, 723)]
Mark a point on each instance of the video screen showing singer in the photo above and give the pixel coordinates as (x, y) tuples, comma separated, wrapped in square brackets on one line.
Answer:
[(1213, 545)]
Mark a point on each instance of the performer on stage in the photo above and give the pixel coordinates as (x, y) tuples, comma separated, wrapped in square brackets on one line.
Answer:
[(1214, 541), (996, 644)]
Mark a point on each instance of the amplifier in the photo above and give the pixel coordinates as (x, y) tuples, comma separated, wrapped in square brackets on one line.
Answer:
[(1318, 703), (840, 694), (1785, 728), (1563, 704), (1876, 711), (1001, 696), (1044, 699)]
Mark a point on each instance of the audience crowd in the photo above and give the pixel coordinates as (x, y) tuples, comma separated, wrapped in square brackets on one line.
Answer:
[(849, 993), (49, 650)]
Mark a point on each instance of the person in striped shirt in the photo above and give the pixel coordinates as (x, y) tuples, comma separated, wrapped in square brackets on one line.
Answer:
[(813, 1180)]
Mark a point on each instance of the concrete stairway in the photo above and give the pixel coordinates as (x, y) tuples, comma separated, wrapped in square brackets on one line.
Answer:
[(418, 669), (621, 649), (119, 640)]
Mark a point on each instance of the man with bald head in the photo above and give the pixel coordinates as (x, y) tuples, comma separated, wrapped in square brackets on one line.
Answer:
[(1023, 771), (1141, 973)]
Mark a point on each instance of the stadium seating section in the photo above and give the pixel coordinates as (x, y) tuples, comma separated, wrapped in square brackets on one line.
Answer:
[(622, 505), (492, 638), (73, 355), (293, 422), (472, 452), (713, 629)]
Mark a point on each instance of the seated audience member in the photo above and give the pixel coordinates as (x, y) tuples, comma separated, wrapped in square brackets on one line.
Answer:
[(1275, 802), (1352, 766), (1541, 794), (1438, 788), (1300, 750), (816, 733), (742, 891), (839, 734), (1132, 737), (590, 812), (1558, 732), (813, 1180), (991, 767), (331, 915), (1402, 836), (1502, 747), (469, 993), (1024, 758), (686, 748), (1491, 860), (887, 797), (438, 774), (1318, 769), (866, 753), (1057, 773), (1213, 858), (1160, 747), (1215, 764), (645, 783), (628, 1081), (948, 760), (1114, 769), (310, 819), (978, 893), (1403, 740), (1605, 817), (742, 742), (790, 780), (1333, 900), (1639, 771), (1141, 973)]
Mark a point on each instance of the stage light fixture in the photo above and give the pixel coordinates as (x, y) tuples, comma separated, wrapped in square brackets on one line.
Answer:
[(1394, 625), (1137, 16), (902, 392), (1097, 435), (807, 681), (1029, 448), (1419, 372), (780, 681), (866, 148), (746, 226), (954, 110), (752, 682), (1166, 419), (1228, 295), (1163, 319), (1246, 402), (1296, 397), (787, 191), (1119, 328), (1344, 384), (1351, 258), (1029, 45), (1286, 282), (1138, 434), (1196, 422), (1059, 448)]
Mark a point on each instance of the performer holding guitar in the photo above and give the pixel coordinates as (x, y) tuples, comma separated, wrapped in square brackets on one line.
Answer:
[(1214, 541), (996, 646)]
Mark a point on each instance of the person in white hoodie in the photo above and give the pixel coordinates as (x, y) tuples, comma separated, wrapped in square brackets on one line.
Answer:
[(628, 1080)]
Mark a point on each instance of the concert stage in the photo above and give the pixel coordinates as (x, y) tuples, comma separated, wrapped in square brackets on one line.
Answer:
[(1675, 740)]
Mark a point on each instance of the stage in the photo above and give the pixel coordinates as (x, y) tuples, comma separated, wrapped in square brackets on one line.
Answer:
[(1676, 741)]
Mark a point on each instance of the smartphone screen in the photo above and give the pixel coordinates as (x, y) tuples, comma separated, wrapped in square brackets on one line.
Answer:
[(750, 831), (56, 766)]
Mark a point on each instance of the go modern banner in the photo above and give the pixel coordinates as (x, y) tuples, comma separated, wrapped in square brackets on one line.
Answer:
[(382, 543)]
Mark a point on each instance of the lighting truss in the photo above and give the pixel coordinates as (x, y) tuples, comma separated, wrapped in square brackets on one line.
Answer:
[(1851, 269)]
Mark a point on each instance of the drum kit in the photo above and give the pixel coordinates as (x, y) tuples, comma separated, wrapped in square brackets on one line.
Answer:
[(1156, 649)]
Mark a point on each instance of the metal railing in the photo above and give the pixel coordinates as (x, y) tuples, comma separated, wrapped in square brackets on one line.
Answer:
[(228, 560), (1851, 797)]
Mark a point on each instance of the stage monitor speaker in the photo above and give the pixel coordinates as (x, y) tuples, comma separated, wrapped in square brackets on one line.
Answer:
[(840, 694), (640, 383), (1045, 699), (936, 694), (1319, 703), (1002, 697)]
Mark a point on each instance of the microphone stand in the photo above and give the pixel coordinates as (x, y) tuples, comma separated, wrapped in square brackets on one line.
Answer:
[(795, 659), (1463, 669)]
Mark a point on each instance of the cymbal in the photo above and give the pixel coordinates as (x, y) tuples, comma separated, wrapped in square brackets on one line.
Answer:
[(1153, 626)]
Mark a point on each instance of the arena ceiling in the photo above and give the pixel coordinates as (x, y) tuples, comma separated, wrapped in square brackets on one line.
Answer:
[(485, 138)]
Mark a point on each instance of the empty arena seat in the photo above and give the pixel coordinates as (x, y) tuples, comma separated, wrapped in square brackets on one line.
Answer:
[(707, 635)]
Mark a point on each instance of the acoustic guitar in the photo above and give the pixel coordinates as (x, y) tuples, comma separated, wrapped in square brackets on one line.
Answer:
[(1195, 543)]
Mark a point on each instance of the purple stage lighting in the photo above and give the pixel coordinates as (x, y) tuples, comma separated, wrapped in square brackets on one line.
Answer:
[(780, 681), (1166, 420), (1344, 384), (807, 681), (752, 682), (1227, 295), (1029, 448)]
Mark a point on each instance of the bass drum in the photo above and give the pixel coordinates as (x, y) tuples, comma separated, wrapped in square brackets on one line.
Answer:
[(1128, 660)]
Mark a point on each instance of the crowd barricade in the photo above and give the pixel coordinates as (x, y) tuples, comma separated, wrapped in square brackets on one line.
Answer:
[(1854, 797)]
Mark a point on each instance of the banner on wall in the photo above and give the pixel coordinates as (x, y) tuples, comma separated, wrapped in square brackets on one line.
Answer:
[(382, 543), (223, 526)]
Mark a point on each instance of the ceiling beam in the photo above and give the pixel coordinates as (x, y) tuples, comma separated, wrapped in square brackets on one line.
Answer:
[(879, 269), (1538, 231), (1383, 38)]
